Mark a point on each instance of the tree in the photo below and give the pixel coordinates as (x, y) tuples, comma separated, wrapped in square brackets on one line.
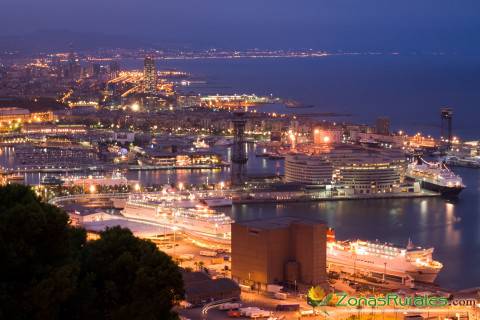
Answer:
[(49, 271), (124, 277), (39, 256)]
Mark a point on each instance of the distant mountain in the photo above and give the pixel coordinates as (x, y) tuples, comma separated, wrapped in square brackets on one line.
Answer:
[(62, 40)]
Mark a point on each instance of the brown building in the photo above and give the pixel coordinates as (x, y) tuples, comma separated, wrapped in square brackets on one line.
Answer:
[(200, 289), (279, 250)]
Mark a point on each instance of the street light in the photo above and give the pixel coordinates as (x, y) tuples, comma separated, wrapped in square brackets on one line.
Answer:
[(174, 228)]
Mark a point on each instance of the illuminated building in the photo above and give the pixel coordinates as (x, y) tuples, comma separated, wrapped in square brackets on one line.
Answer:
[(370, 177), (188, 100), (279, 250), (327, 136), (21, 115), (150, 76), (367, 170), (310, 170), (187, 159), (47, 128), (55, 156)]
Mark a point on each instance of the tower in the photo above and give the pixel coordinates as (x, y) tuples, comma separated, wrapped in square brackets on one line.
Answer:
[(150, 75), (239, 154), (446, 116)]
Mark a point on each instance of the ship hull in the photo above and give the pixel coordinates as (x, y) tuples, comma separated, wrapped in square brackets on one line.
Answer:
[(443, 190), (423, 276), (218, 202), (353, 266)]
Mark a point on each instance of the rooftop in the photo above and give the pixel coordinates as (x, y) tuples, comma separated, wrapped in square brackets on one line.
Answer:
[(278, 222)]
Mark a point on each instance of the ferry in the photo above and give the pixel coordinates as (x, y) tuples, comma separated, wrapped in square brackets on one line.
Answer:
[(200, 222), (436, 177), (382, 260), (115, 179)]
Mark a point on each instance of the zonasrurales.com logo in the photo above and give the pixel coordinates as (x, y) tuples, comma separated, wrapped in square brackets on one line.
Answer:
[(316, 297)]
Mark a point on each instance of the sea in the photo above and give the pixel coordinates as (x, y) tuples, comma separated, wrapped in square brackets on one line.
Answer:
[(409, 89)]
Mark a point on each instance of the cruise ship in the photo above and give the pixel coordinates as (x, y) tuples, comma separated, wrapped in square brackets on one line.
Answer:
[(469, 162), (200, 221), (382, 260), (436, 177)]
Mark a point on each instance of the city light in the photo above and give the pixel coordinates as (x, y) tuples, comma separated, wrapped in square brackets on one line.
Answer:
[(135, 107)]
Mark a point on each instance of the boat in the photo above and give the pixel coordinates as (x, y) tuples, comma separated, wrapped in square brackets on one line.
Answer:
[(383, 261), (436, 177), (224, 142), (469, 162), (200, 222), (201, 145), (213, 202), (51, 181)]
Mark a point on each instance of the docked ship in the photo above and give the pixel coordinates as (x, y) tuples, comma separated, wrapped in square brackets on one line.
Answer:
[(200, 222), (213, 202), (382, 260), (469, 162), (115, 179), (436, 177)]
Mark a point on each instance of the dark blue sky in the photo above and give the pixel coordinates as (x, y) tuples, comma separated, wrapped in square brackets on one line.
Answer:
[(452, 25)]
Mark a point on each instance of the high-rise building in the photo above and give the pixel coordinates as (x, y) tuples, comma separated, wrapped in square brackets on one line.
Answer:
[(114, 69), (446, 116), (150, 75), (382, 125)]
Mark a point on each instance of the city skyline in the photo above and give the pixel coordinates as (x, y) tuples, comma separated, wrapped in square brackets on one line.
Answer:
[(341, 25)]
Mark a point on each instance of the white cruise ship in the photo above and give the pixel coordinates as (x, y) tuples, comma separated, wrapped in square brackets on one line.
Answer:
[(436, 177), (199, 221), (381, 260)]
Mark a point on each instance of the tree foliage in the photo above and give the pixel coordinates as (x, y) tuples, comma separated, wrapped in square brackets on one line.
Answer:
[(49, 271)]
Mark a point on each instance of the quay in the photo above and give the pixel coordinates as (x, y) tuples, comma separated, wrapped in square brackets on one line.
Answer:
[(109, 167), (241, 197), (311, 198)]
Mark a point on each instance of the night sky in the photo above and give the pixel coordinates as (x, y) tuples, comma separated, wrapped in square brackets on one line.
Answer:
[(435, 25)]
